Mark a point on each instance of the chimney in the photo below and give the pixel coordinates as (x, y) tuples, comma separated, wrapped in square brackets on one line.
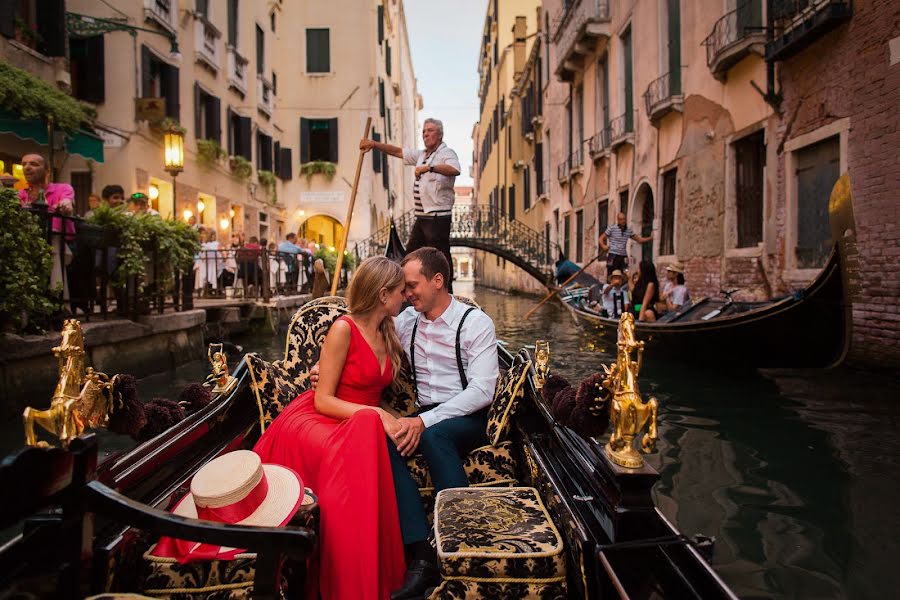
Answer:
[(519, 32)]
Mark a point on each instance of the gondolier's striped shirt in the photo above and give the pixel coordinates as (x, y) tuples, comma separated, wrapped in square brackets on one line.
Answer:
[(618, 239), (433, 193)]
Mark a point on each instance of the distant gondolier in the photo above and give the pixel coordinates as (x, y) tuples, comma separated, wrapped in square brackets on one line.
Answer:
[(615, 242), (436, 169)]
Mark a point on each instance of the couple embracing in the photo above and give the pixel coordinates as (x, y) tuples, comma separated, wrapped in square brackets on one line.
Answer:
[(352, 452)]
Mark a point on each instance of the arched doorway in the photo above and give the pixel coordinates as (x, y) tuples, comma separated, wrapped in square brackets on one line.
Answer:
[(642, 213), (323, 230)]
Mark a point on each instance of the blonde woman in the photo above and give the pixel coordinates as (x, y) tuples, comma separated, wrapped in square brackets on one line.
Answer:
[(334, 437)]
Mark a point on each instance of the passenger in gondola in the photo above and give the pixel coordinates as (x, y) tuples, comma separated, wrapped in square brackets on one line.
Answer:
[(615, 295), (645, 292), (675, 293), (334, 438)]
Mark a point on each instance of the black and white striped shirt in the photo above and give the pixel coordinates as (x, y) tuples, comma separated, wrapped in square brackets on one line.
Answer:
[(618, 239)]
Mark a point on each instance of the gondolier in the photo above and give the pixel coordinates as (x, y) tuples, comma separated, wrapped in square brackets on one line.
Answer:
[(436, 169), (615, 242)]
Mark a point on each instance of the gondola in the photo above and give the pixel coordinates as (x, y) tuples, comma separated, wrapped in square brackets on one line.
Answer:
[(87, 527), (808, 328)]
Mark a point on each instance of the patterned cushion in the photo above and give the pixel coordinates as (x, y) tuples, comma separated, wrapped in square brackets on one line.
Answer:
[(216, 579), (485, 466), (510, 390), (307, 331), (273, 387), (477, 590), (484, 534), (400, 398)]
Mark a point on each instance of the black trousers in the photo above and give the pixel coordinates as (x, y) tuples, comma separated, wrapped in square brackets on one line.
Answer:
[(615, 261), (434, 232)]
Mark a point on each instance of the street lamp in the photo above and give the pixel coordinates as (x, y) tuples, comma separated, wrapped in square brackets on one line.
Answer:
[(174, 143)]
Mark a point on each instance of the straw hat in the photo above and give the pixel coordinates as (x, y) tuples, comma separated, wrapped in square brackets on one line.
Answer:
[(617, 273), (676, 267), (235, 488)]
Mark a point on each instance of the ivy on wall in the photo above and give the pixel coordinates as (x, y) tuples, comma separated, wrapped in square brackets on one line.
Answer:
[(33, 98)]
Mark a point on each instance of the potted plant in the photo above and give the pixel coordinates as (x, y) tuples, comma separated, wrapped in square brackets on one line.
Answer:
[(27, 34), (320, 167), (267, 180), (240, 167), (210, 152)]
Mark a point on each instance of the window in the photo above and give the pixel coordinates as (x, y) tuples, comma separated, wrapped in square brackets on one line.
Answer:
[(381, 97), (503, 201), (376, 154), (579, 236), (667, 235), (602, 216), (260, 50), (672, 47), (263, 151), (160, 80), (512, 203), (207, 125), (318, 140), (567, 241), (203, 8), (388, 121), (49, 26), (817, 170), (539, 168), (547, 240), (385, 172), (239, 135), (284, 167), (233, 23), (627, 80), (387, 59), (87, 67), (578, 116), (749, 161), (380, 23), (623, 203), (274, 84), (272, 22), (526, 188), (318, 57), (603, 93)]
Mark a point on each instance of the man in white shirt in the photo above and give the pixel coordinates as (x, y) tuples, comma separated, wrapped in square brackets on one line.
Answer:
[(452, 349), (436, 169)]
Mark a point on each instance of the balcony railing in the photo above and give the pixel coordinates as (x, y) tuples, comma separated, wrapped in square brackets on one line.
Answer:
[(734, 36), (620, 131), (206, 42), (264, 95), (161, 11), (598, 145), (798, 23), (237, 70), (577, 27), (572, 165), (543, 188), (663, 96)]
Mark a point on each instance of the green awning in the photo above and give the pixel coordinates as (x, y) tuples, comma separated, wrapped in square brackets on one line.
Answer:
[(83, 143)]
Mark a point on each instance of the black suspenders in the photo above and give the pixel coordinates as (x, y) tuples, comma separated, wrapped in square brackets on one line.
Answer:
[(459, 364)]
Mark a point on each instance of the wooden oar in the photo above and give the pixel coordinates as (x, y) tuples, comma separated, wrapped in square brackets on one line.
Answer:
[(557, 290), (343, 246)]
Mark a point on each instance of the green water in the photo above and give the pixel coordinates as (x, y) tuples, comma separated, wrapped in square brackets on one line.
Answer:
[(792, 472)]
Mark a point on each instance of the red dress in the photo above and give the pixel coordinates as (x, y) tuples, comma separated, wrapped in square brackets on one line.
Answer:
[(346, 464)]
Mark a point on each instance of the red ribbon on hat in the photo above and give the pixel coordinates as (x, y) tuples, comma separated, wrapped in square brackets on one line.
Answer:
[(240, 510)]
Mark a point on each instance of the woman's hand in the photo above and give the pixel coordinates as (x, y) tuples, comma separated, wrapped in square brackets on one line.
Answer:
[(391, 425)]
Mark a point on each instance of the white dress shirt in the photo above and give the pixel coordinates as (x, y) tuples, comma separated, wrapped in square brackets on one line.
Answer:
[(437, 375)]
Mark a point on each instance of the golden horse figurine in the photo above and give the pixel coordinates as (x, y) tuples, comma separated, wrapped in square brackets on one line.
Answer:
[(80, 399), (629, 414)]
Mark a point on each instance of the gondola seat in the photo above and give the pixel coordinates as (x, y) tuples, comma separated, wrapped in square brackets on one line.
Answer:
[(497, 543), (277, 383), (217, 579)]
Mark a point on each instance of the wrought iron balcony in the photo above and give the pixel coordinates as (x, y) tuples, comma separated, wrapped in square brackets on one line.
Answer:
[(598, 145), (573, 165), (580, 28), (798, 23), (543, 189), (263, 96), (237, 70), (734, 36), (206, 42), (663, 96), (621, 131)]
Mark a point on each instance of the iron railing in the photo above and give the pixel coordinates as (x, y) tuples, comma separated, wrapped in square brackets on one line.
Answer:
[(574, 160), (482, 227), (572, 19), (599, 142), (660, 89), (619, 128), (733, 27), (790, 9)]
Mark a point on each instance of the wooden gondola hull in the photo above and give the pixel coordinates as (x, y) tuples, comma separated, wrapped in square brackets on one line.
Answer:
[(809, 329)]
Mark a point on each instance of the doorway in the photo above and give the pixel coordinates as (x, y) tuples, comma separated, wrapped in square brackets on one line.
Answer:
[(642, 218)]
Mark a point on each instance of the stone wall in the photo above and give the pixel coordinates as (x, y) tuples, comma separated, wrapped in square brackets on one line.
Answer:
[(848, 74)]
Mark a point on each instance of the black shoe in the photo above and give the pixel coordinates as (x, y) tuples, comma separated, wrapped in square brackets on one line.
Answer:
[(420, 577)]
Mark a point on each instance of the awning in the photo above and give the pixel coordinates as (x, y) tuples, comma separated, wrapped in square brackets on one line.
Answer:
[(83, 143)]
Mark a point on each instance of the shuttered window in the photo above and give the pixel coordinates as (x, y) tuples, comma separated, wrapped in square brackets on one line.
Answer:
[(232, 23), (260, 50), (380, 23), (263, 151), (667, 235), (376, 154), (526, 188), (381, 97), (239, 138), (602, 216), (749, 160), (512, 203), (284, 167), (628, 81), (207, 115), (318, 57), (88, 65), (579, 236), (160, 80), (387, 59), (318, 140)]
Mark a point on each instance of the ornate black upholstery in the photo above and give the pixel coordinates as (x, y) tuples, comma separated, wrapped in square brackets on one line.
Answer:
[(490, 538)]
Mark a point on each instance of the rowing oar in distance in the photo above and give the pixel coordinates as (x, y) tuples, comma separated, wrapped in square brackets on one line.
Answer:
[(557, 290), (340, 256)]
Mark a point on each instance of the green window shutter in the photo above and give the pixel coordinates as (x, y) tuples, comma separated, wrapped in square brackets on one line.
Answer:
[(333, 140), (318, 59), (380, 23), (376, 154), (304, 140)]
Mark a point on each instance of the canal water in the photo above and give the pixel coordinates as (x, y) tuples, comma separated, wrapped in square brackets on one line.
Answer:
[(793, 473)]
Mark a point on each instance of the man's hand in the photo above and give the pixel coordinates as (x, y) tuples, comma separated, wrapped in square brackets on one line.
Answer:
[(366, 144), (65, 207), (408, 435), (389, 421), (421, 170), (314, 376)]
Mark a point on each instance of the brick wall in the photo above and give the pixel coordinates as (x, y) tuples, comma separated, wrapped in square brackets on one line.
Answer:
[(847, 73)]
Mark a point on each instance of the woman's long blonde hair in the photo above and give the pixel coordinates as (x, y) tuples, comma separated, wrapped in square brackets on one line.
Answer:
[(373, 275)]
